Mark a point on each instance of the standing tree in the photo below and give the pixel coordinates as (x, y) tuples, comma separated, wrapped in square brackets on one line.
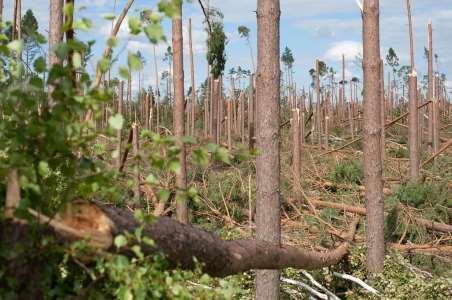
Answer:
[(30, 37), (430, 87), (179, 112), (55, 37), (244, 32), (413, 121), (288, 61), (372, 129), (268, 227)]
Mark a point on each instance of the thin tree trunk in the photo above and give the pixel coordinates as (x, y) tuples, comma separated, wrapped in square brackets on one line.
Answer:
[(436, 116), (229, 123), (268, 204), (214, 110), (136, 191), (193, 89), (296, 155), (119, 131), (157, 94), (251, 133), (372, 135), (55, 37), (383, 114), (413, 125), (430, 88), (178, 113), (341, 105), (1, 10)]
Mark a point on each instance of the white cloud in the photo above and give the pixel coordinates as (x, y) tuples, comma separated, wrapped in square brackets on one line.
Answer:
[(350, 49)]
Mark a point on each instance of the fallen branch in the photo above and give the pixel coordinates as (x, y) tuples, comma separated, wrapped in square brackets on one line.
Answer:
[(181, 243), (306, 287), (319, 286), (357, 281), (443, 148), (362, 211)]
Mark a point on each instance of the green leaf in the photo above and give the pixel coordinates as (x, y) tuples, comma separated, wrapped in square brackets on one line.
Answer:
[(108, 16), (16, 46), (76, 60), (222, 155), (104, 64), (124, 72), (120, 241), (134, 25), (82, 24), (200, 157), (139, 215), (151, 179), (174, 166), (148, 241), (155, 33), (43, 169), (116, 121), (112, 42), (137, 250), (163, 195), (40, 65), (134, 62)]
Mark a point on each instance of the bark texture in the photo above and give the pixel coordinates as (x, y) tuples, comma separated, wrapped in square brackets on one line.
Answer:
[(179, 113), (372, 136), (181, 243), (55, 37), (268, 227)]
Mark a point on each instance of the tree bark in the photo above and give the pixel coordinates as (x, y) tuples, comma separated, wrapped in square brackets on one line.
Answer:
[(372, 135), (268, 227), (136, 191), (430, 88), (178, 114), (55, 37), (193, 89), (119, 131), (98, 224), (251, 133), (296, 156)]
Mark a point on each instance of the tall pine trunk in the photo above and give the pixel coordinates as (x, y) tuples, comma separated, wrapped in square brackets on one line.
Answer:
[(268, 205), (55, 37), (178, 113), (372, 135)]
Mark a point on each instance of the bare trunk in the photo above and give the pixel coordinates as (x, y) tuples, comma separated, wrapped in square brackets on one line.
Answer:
[(430, 87), (229, 123), (193, 89), (251, 133), (55, 37), (136, 191), (119, 131), (372, 135), (178, 114), (157, 94), (214, 110), (383, 114), (413, 125), (296, 156), (268, 205)]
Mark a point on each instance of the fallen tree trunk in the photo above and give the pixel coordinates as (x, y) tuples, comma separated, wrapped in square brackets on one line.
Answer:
[(446, 228), (181, 243)]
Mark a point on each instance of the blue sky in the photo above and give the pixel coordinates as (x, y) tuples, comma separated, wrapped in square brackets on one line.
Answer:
[(311, 28)]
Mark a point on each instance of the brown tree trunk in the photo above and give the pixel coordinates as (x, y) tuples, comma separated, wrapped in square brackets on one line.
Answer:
[(157, 94), (413, 125), (430, 88), (136, 191), (251, 133), (193, 89), (214, 110), (55, 37), (372, 135), (268, 227), (178, 113), (119, 131), (296, 156), (229, 123), (1, 10), (383, 114), (180, 243)]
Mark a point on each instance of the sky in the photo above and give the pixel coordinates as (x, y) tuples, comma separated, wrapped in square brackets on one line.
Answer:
[(323, 29)]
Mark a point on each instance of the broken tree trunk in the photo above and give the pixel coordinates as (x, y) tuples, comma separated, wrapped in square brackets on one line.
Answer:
[(181, 243)]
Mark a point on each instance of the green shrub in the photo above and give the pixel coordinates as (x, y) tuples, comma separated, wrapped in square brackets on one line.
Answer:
[(348, 171)]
